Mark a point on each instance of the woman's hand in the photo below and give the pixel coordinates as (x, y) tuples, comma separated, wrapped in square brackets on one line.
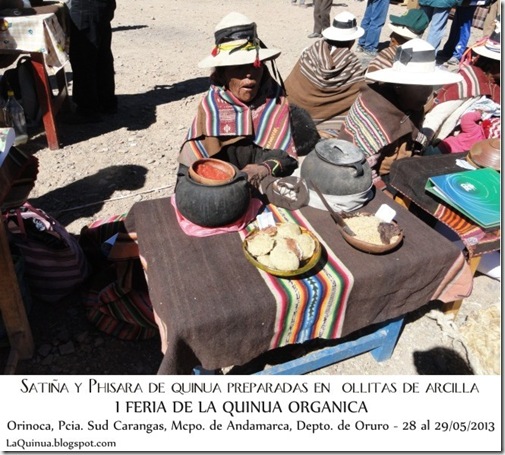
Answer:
[(256, 173)]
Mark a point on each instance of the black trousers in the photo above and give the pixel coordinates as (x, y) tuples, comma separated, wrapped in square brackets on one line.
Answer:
[(90, 54)]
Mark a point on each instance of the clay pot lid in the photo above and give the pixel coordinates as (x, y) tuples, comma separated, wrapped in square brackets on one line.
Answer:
[(211, 171), (339, 152), (486, 153)]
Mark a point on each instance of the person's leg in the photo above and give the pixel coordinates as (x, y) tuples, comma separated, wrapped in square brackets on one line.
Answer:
[(378, 14), (438, 17), (325, 13), (84, 60), (449, 46), (105, 68), (365, 23), (466, 18)]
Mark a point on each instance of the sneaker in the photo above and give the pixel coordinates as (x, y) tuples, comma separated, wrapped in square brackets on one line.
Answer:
[(370, 52), (315, 35), (359, 48), (453, 61)]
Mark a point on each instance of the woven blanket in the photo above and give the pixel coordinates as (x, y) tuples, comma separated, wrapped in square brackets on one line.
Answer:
[(474, 83), (215, 309), (409, 178), (223, 119), (312, 305), (325, 81)]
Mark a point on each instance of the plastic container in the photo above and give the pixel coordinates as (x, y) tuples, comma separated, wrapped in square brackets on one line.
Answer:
[(15, 117)]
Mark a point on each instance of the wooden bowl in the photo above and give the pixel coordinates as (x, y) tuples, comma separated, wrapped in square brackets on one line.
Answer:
[(305, 265), (486, 153), (367, 247), (213, 172)]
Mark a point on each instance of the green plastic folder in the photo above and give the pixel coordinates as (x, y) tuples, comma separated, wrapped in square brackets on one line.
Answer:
[(475, 194)]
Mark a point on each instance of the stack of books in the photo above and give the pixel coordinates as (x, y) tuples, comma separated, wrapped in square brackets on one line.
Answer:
[(475, 194)]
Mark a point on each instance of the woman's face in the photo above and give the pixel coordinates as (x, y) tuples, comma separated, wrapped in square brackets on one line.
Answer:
[(412, 97), (243, 81)]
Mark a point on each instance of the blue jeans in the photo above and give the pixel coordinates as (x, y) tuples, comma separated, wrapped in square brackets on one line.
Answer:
[(438, 21), (375, 16), (460, 32)]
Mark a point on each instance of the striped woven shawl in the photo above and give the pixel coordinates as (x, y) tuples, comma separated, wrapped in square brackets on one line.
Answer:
[(326, 80), (222, 119), (381, 130), (383, 60)]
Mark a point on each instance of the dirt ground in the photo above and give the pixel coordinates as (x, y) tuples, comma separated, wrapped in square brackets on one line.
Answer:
[(102, 169)]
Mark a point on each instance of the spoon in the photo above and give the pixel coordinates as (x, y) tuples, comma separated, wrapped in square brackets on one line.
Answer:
[(336, 216)]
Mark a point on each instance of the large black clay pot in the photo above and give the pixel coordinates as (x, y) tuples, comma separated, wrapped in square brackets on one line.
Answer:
[(213, 205), (337, 167)]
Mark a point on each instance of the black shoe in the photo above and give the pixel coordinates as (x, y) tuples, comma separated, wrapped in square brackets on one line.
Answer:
[(315, 35)]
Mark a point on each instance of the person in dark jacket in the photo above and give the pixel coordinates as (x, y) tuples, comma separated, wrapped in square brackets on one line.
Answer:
[(91, 58)]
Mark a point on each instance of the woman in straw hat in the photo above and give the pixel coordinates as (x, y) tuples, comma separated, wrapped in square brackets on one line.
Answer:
[(328, 76), (386, 118), (244, 118)]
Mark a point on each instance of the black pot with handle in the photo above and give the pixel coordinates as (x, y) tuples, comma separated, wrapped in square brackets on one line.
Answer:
[(213, 205), (338, 168)]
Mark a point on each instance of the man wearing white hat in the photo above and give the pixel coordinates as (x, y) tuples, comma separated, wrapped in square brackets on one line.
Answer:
[(403, 28), (386, 118), (328, 76), (244, 118)]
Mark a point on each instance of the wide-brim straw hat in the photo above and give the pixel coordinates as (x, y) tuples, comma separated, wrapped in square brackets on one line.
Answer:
[(343, 28), (414, 64), (237, 43), (404, 31)]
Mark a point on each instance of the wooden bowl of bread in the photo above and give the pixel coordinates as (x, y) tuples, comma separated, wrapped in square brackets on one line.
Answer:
[(284, 250)]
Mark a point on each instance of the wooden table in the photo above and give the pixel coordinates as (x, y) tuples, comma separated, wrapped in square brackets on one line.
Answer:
[(215, 309), (408, 176), (12, 307), (41, 36)]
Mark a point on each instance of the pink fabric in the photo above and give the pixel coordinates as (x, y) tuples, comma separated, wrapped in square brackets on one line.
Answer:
[(471, 132), (194, 230)]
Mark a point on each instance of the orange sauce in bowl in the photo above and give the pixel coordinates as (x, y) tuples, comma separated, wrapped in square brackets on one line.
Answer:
[(209, 171)]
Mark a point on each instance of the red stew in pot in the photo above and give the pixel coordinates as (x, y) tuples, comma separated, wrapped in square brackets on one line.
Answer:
[(209, 171)]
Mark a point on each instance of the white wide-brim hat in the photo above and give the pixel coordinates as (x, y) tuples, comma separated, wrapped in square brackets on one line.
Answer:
[(486, 52), (343, 28), (404, 31), (237, 43), (414, 64)]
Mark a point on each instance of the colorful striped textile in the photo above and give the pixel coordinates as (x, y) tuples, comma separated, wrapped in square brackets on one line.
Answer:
[(313, 305), (222, 119), (378, 128), (470, 234), (117, 300), (475, 83)]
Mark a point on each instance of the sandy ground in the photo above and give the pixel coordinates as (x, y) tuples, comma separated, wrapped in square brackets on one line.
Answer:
[(103, 169)]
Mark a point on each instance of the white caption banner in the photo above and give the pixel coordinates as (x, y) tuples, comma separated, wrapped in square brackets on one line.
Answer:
[(237, 413)]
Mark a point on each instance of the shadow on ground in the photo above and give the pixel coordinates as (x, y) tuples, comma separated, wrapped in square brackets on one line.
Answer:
[(89, 193)]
